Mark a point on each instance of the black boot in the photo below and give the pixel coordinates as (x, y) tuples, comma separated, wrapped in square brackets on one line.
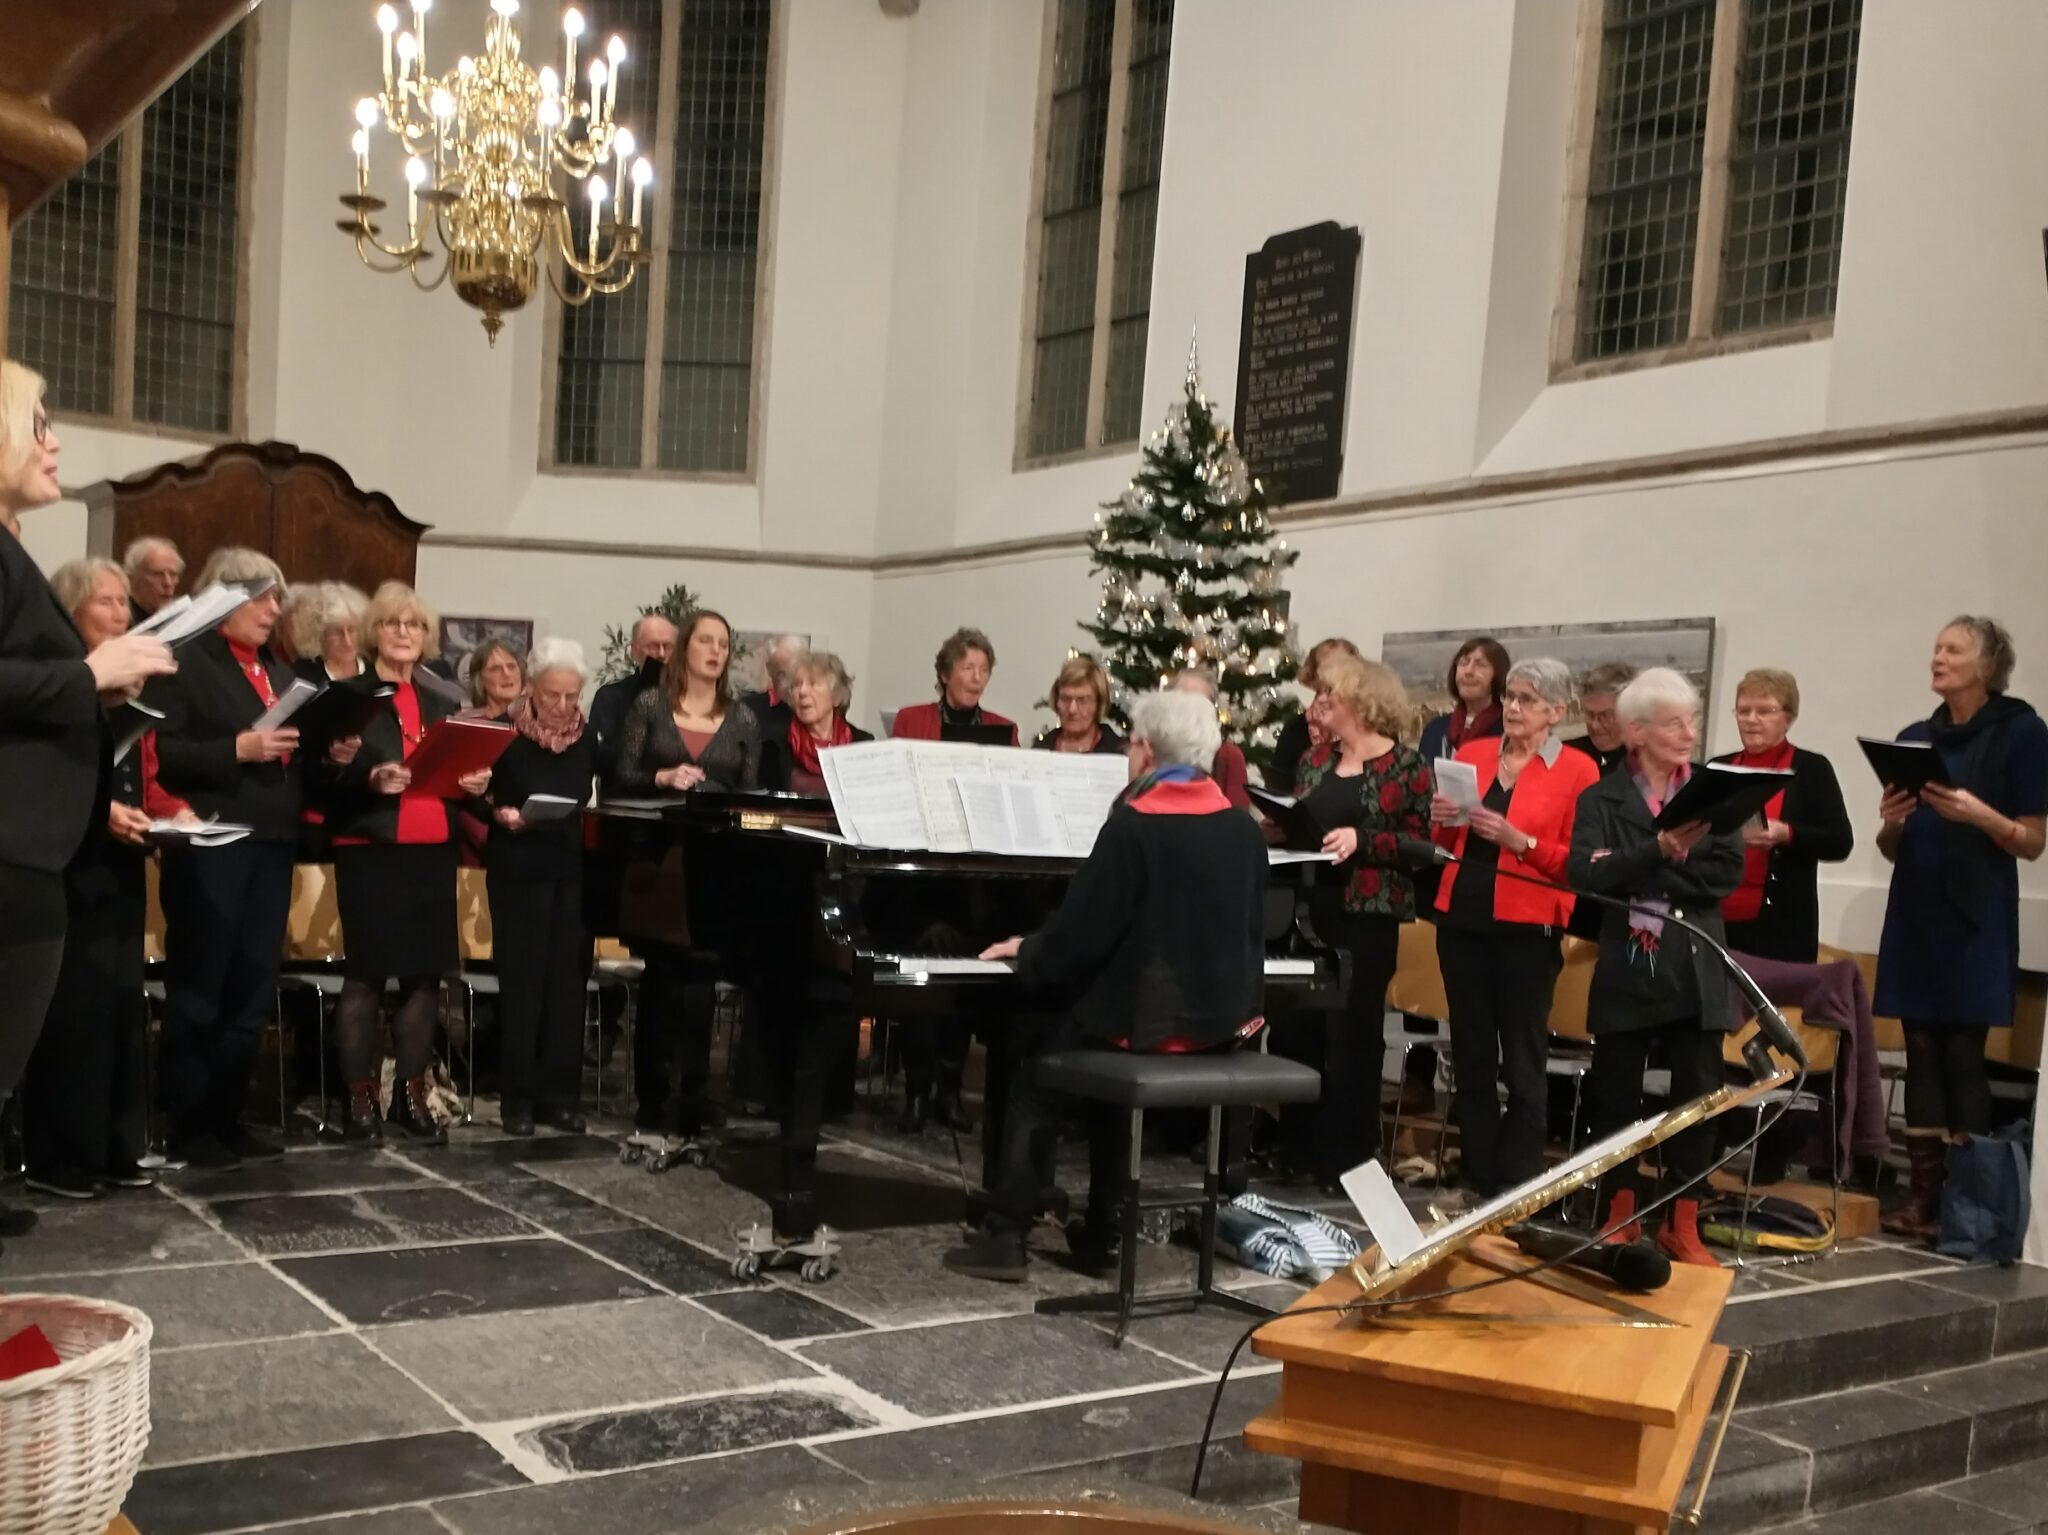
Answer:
[(363, 1125), (994, 1253), (413, 1114)]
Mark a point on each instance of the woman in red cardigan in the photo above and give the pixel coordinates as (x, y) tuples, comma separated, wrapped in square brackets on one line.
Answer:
[(1499, 940), (965, 663)]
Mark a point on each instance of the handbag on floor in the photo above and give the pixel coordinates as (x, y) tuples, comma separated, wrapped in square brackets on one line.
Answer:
[(1986, 1197), (1771, 1225), (1281, 1240)]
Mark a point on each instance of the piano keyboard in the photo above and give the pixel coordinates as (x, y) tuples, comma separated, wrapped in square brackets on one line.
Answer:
[(920, 967)]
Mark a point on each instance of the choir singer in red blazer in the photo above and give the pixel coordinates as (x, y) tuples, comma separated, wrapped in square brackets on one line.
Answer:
[(1499, 940), (965, 663)]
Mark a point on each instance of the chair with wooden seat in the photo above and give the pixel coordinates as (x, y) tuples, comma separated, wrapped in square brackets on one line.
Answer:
[(1823, 1053), (1417, 991), (1570, 1053), (312, 959)]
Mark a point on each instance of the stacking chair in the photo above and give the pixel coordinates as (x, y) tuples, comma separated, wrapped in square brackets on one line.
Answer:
[(1823, 1052), (312, 961), (1570, 1055), (1417, 990)]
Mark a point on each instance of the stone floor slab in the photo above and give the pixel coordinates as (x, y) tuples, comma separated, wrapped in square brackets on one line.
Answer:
[(2019, 1491), (717, 1426), (1813, 1341), (276, 1225), (309, 1484), (663, 1259), (551, 1206), (582, 1358), (101, 1238), (325, 1170), (781, 1314), (1869, 1444), (666, 1500), (2020, 1293), (479, 1277), (219, 1303), (283, 1394), (1916, 1513), (1000, 1362)]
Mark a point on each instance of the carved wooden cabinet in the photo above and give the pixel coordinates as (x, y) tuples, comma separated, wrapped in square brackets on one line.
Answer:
[(299, 508)]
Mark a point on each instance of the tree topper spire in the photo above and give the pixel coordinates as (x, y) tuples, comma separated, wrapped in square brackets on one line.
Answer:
[(1194, 359)]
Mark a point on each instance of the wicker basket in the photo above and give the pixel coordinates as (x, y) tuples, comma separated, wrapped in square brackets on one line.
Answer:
[(71, 1438)]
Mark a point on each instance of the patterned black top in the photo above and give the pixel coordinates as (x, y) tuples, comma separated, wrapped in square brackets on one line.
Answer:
[(1386, 802)]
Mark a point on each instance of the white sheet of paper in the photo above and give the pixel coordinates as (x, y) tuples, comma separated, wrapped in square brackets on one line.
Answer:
[(547, 807), (1380, 1206), (201, 834), (1033, 819), (1275, 856), (874, 794), (206, 609), (1083, 787), (163, 615), (1458, 782), (289, 702), (934, 765), (986, 811)]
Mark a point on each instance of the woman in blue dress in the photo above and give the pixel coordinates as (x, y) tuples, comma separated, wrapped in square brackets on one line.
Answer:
[(1951, 946)]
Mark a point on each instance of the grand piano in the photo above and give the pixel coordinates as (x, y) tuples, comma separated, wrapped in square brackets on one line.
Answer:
[(822, 932)]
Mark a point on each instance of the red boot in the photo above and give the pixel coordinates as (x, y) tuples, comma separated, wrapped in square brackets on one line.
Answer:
[(1919, 1218), (1621, 1212), (1680, 1238)]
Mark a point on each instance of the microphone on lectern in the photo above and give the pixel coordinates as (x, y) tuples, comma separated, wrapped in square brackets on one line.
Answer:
[(1772, 1030), (1638, 1266)]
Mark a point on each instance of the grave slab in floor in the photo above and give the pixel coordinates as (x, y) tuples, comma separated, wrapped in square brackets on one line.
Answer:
[(99, 1237), (777, 1312), (550, 1205), (283, 1394), (664, 1259), (996, 1362), (312, 1171), (716, 1426), (580, 1358), (421, 1282)]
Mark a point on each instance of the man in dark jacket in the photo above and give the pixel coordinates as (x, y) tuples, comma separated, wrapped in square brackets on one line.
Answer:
[(1158, 946), (654, 639), (771, 706)]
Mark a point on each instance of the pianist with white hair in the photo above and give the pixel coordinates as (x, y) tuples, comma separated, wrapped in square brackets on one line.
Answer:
[(1158, 946)]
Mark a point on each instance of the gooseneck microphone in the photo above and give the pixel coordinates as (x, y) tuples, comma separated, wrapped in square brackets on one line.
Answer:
[(1773, 1033), (1637, 1266)]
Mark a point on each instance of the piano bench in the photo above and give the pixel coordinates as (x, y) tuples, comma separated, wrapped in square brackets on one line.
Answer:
[(1135, 1081)]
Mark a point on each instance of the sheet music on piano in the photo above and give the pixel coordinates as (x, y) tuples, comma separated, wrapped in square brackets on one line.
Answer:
[(954, 797)]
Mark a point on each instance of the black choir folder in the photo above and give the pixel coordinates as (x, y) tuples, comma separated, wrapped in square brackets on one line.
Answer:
[(1723, 795), (1908, 766), (1297, 826)]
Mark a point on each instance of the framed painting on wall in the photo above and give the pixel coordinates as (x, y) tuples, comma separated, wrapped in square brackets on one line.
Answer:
[(1422, 658), (460, 637)]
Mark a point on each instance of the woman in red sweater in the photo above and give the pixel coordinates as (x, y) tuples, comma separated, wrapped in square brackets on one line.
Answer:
[(1499, 940), (964, 665)]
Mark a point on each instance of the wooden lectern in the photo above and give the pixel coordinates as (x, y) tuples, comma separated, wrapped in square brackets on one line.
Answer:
[(1523, 1408)]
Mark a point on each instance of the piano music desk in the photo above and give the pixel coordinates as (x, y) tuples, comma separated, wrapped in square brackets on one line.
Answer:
[(1482, 1427)]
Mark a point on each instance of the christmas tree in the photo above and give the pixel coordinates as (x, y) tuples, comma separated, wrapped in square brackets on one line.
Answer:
[(1191, 577)]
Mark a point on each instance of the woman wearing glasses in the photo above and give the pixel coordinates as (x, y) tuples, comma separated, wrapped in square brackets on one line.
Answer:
[(394, 870), (1656, 992), (53, 739), (1775, 911)]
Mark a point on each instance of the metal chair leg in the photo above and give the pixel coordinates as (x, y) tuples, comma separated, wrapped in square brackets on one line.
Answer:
[(469, 1046), (1212, 1188), (1127, 1266), (1748, 1190), (284, 1121), (320, 1030)]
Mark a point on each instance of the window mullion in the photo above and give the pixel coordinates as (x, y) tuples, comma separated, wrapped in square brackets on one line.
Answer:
[(128, 269), (655, 272), (1112, 204), (1723, 82)]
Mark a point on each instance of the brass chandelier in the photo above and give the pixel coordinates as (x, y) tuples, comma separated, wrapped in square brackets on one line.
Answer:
[(492, 149)]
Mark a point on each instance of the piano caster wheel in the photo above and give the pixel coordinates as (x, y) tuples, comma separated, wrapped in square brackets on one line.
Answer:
[(658, 1153), (815, 1259)]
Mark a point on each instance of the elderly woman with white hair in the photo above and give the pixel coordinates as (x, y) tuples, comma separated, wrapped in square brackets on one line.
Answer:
[(326, 631), (536, 887), (1656, 991), (1159, 945), (225, 907), (1499, 939)]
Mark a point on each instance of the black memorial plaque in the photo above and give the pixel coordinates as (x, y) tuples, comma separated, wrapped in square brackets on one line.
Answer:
[(1294, 360)]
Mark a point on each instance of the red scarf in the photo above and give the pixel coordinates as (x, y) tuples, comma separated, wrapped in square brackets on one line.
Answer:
[(251, 662), (1465, 727), (804, 747), (1746, 902)]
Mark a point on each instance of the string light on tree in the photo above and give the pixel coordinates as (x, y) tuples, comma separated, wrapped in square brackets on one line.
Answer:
[(1191, 576)]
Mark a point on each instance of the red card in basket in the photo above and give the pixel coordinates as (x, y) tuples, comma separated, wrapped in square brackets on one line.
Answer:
[(27, 1350), (453, 749)]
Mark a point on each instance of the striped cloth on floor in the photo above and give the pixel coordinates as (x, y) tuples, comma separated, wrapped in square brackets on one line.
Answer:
[(1281, 1240)]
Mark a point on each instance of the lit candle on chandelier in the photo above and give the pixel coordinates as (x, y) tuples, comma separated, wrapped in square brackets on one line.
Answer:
[(359, 141), (408, 49), (597, 194), (642, 174), (597, 78), (444, 116), (387, 23), (419, 29), (615, 50), (415, 177), (572, 28)]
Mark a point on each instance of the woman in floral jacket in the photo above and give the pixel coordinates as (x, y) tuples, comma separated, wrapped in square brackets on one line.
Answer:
[(1366, 790)]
